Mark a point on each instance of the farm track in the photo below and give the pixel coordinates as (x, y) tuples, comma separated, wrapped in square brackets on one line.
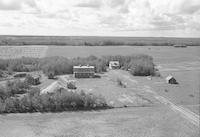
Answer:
[(191, 116), (49, 88), (186, 113), (61, 82)]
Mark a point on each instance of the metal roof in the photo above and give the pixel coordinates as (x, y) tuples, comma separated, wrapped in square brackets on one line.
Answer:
[(92, 67), (169, 77)]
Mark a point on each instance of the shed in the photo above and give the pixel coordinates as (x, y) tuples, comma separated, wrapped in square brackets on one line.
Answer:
[(83, 71), (114, 65), (171, 80), (36, 79)]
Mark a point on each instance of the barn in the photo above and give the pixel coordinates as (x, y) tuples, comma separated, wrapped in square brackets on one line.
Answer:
[(114, 65), (83, 71), (171, 80)]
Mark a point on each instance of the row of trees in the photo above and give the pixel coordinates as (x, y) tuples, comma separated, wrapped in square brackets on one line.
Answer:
[(141, 65), (61, 100), (62, 41)]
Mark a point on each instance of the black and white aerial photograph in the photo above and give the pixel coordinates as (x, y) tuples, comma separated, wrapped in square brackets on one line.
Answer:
[(99, 68)]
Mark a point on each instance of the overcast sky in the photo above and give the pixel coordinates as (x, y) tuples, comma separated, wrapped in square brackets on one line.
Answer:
[(160, 18)]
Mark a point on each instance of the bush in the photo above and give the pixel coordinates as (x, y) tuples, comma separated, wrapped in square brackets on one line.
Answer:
[(51, 74), (71, 85), (29, 79), (3, 93), (120, 83), (1, 73), (17, 87)]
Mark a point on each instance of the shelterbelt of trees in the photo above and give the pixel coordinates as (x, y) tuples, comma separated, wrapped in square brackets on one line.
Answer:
[(140, 65), (95, 41), (20, 97)]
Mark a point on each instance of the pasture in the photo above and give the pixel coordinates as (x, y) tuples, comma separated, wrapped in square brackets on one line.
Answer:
[(9, 52), (123, 122), (161, 54)]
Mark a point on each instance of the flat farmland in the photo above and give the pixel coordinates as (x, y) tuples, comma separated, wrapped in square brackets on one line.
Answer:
[(124, 122), (139, 109), (137, 119), (8, 52), (161, 54)]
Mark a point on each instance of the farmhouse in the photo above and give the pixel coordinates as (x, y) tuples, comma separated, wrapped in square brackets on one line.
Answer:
[(114, 65), (171, 80), (83, 71)]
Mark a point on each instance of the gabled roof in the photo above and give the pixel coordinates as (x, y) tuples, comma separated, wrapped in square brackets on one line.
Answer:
[(114, 63), (83, 66), (169, 77)]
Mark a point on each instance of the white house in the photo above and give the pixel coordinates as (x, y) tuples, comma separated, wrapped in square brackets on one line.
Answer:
[(114, 65)]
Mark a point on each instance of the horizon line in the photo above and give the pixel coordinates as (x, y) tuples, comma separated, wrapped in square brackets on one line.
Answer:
[(29, 35)]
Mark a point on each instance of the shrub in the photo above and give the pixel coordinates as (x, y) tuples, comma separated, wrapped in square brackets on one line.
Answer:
[(29, 79), (51, 74), (120, 83), (1, 73), (71, 85), (3, 93), (17, 87)]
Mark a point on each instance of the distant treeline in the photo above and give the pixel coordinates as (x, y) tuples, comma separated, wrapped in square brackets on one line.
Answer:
[(96, 41), (137, 64)]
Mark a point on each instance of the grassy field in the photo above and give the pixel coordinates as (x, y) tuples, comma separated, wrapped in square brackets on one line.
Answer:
[(159, 53), (95, 41), (126, 122), (116, 95), (7, 52)]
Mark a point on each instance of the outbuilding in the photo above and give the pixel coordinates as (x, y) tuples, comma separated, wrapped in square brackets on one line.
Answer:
[(114, 65), (36, 79), (171, 80), (83, 71)]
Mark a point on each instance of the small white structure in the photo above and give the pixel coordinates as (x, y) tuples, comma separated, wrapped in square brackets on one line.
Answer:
[(171, 80), (114, 65)]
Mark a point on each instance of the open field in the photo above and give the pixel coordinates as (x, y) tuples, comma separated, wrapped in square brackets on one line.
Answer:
[(95, 41), (159, 53), (7, 52), (154, 108), (143, 92), (124, 122)]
